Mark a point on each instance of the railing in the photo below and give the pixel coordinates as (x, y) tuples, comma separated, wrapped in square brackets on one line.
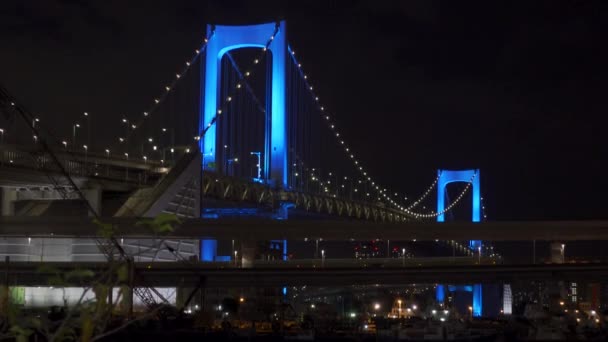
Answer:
[(83, 165), (245, 190)]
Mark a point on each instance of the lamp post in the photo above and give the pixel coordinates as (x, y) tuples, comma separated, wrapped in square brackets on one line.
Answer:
[(403, 256), (86, 150), (235, 258), (231, 162), (126, 167), (108, 167), (1, 135), (225, 156), (258, 165), (74, 126), (322, 258), (563, 253)]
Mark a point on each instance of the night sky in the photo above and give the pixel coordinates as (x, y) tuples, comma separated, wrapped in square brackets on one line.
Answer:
[(517, 89)]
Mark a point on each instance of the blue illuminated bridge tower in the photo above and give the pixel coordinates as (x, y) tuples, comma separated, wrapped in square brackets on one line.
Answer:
[(468, 176), (224, 39)]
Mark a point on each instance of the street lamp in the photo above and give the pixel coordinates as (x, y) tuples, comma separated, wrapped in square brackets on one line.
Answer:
[(403, 256), (258, 165), (1, 135), (86, 150), (322, 258), (230, 168), (479, 255), (235, 259), (74, 126), (563, 254)]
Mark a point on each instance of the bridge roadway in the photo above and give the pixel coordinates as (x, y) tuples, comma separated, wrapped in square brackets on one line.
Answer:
[(225, 275), (296, 229)]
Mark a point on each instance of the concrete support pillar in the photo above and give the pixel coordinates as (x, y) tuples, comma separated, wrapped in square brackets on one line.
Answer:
[(248, 251), (9, 196), (557, 252), (93, 195)]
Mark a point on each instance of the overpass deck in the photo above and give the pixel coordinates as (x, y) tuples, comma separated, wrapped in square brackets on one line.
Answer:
[(225, 275), (338, 230)]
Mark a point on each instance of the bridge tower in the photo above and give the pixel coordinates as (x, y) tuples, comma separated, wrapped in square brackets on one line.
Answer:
[(223, 39), (469, 176)]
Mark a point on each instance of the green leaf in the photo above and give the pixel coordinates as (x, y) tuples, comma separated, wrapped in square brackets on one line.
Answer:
[(122, 273), (21, 334), (162, 224), (79, 274), (106, 230)]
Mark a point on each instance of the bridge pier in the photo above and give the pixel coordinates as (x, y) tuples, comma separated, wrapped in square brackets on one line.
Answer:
[(248, 251), (9, 196), (93, 196)]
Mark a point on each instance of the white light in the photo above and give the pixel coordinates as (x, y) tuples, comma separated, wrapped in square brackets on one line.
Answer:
[(167, 88), (188, 63), (145, 113), (178, 75), (156, 100)]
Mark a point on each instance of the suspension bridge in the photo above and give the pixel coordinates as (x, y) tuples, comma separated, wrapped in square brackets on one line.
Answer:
[(240, 133)]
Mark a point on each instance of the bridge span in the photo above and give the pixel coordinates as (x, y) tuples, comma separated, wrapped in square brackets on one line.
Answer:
[(165, 274), (296, 229)]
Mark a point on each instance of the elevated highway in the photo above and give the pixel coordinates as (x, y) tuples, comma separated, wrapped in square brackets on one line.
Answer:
[(296, 229), (225, 275)]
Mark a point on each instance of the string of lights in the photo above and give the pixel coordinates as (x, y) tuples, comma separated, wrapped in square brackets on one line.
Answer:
[(382, 193), (425, 194), (242, 76), (131, 127), (454, 203)]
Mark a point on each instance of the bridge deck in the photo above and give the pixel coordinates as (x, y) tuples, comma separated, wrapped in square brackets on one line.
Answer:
[(264, 229), (225, 275)]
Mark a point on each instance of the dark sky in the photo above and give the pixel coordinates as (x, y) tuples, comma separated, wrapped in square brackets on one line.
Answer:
[(515, 88)]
